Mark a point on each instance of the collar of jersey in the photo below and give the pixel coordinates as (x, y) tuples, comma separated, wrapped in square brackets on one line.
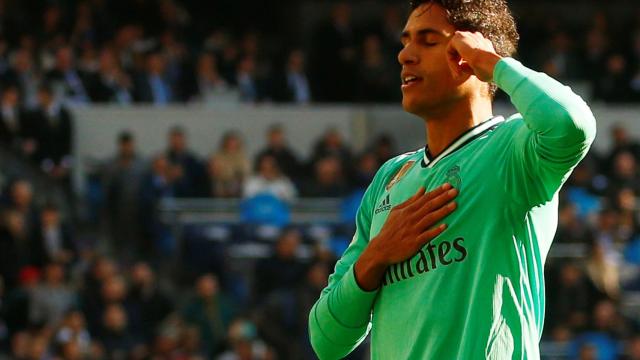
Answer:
[(462, 140)]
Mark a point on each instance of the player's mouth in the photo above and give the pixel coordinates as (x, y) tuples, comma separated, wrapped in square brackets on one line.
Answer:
[(409, 80)]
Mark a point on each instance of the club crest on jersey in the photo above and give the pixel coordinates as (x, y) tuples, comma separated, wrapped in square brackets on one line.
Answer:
[(400, 174), (453, 177)]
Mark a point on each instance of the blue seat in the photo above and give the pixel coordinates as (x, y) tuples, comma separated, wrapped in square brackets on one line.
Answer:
[(265, 209)]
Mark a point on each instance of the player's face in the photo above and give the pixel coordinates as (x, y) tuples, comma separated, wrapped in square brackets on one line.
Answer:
[(427, 82)]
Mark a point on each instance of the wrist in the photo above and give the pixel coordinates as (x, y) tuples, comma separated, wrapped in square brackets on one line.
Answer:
[(369, 269), (490, 60)]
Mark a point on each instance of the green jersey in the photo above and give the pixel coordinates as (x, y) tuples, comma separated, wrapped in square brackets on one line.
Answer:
[(476, 291)]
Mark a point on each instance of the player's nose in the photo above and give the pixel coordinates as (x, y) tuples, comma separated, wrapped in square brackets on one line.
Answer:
[(407, 55)]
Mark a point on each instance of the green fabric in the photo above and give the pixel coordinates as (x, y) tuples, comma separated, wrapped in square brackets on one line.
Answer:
[(477, 290)]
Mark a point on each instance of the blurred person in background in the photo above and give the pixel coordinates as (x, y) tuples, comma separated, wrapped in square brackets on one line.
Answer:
[(284, 155), (621, 141), (365, 169), (122, 177), (211, 312), (328, 179), (163, 181), (152, 85), (233, 160), (331, 144), (66, 79), (55, 134), (207, 83), (334, 57), (268, 179), (179, 154), (53, 240), (24, 76), (147, 300), (569, 305), (73, 330), (15, 247), (247, 81), (282, 269), (291, 84), (115, 335), (219, 185), (245, 343), (110, 84), (14, 126), (613, 85), (603, 273), (16, 304), (624, 173), (20, 199), (282, 318), (53, 298), (376, 80)]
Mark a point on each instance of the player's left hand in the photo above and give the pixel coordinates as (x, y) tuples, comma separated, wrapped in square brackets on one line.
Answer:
[(473, 54)]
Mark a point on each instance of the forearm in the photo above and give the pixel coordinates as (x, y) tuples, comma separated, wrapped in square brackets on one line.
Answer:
[(339, 320), (549, 108)]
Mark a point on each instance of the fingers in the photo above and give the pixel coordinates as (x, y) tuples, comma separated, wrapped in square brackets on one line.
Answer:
[(430, 234), (434, 216), (412, 199), (434, 199)]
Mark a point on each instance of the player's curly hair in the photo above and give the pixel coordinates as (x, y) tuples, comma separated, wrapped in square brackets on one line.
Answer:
[(492, 18)]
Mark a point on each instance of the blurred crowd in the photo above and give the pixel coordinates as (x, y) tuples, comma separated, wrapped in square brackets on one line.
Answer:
[(166, 51), (63, 297)]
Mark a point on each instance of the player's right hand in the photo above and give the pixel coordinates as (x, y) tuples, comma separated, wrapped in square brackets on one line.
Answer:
[(410, 225), (408, 228)]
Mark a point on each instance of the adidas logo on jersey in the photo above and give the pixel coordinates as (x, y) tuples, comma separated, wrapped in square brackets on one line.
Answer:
[(384, 206)]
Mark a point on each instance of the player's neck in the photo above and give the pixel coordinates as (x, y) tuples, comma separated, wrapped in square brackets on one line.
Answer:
[(445, 127)]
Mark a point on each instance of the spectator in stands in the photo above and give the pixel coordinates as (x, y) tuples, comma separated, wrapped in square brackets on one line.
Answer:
[(269, 180), (21, 201), (122, 180), (248, 84), (233, 161), (152, 86), (207, 83), (14, 126), (621, 142), (55, 134), (332, 144), (211, 312), (569, 304), (67, 80), (73, 333), (572, 228), (282, 269), (110, 83), (51, 300), (376, 81), (366, 168), (115, 334), (23, 76), (193, 173), (328, 180), (291, 84), (16, 304), (614, 84), (603, 273), (633, 349), (334, 57), (283, 316), (219, 185), (561, 62), (53, 240), (162, 182), (624, 173), (384, 148), (147, 300), (14, 246), (245, 343), (285, 156)]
